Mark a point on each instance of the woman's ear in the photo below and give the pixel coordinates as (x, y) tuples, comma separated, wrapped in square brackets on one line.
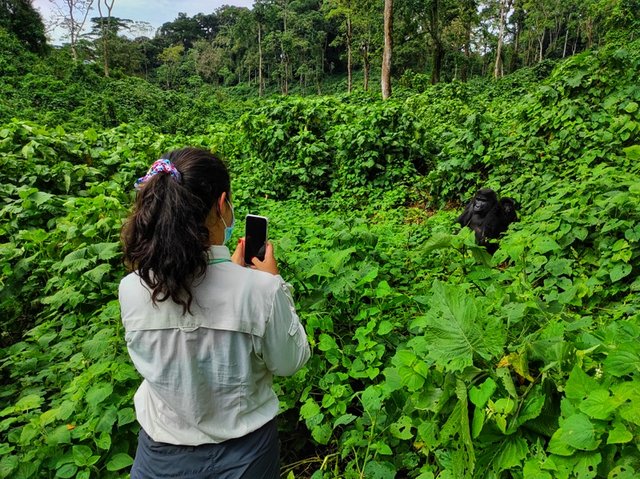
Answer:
[(222, 203)]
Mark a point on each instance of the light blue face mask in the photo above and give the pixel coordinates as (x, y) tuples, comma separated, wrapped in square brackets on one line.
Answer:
[(228, 230)]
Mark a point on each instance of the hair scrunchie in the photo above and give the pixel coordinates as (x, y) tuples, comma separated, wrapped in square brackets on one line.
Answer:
[(159, 166)]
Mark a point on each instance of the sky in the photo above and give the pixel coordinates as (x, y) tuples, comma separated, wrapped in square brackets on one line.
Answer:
[(156, 12)]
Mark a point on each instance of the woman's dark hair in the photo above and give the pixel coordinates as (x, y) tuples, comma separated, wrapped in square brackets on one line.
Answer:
[(165, 238)]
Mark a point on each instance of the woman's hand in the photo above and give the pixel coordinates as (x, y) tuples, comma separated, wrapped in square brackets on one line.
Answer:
[(238, 255), (269, 264)]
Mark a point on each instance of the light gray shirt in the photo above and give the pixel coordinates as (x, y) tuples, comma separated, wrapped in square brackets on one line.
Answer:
[(208, 375)]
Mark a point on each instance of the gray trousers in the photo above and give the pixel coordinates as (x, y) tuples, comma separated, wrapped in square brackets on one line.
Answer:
[(254, 456)]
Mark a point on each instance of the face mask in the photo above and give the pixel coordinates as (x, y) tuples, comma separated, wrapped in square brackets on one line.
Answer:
[(228, 230)]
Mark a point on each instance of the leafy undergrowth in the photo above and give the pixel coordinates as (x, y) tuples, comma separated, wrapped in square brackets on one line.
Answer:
[(431, 359)]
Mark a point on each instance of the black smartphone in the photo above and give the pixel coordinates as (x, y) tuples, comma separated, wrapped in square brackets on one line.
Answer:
[(255, 236)]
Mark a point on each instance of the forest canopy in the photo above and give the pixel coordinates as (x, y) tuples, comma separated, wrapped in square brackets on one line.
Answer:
[(284, 45)]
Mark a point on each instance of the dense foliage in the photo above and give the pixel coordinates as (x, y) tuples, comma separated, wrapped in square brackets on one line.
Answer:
[(430, 358)]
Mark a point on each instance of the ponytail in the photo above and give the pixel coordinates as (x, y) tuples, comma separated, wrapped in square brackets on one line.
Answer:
[(166, 238)]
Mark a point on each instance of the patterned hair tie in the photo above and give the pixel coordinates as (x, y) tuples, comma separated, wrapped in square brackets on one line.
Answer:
[(160, 166)]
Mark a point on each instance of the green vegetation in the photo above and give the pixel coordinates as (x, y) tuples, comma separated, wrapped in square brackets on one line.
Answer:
[(431, 359)]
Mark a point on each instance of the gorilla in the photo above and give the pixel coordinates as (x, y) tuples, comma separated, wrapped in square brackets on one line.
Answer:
[(488, 217)]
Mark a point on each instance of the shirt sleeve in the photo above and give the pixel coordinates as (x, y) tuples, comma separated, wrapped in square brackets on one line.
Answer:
[(285, 344)]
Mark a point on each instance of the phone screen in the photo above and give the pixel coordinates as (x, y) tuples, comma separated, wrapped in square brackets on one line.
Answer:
[(255, 238)]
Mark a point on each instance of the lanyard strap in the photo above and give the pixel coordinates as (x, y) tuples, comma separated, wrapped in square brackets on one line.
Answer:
[(219, 260)]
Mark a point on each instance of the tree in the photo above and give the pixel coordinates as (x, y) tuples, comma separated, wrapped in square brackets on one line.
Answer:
[(105, 27), (171, 57), (73, 15), (388, 46), (343, 9), (105, 34), (505, 7), (20, 18), (187, 30)]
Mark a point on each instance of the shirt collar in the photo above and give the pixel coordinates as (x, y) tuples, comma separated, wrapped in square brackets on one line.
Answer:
[(218, 251)]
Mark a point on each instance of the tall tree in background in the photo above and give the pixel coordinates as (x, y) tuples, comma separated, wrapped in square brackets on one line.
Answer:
[(505, 7), (343, 9), (385, 77), (72, 15), (170, 57), (105, 27), (367, 24), (467, 17), (20, 18)]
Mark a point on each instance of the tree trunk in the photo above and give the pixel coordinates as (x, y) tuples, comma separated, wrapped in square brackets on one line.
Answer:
[(438, 48), (260, 83), (367, 65), (106, 31), (349, 63), (513, 62), (464, 69), (566, 38), (438, 55), (541, 43), (498, 71), (388, 46)]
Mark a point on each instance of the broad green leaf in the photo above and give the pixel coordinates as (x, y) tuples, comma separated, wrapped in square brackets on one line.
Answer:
[(344, 420), (126, 415), (532, 470), (103, 441), (98, 393), (619, 434), (32, 401), (60, 435), (326, 343), (82, 455), (577, 432), (581, 465), (545, 244), (371, 400), (480, 396), (322, 433), (510, 453), (507, 381), (83, 474), (632, 152), (402, 428), (579, 384), (119, 461), (599, 404), (8, 464), (49, 416), (379, 470), (454, 332), (438, 241), (477, 423), (309, 409), (385, 328), (337, 258), (532, 407), (66, 471), (631, 107), (28, 433), (619, 271), (410, 378), (96, 274), (623, 472), (321, 270), (622, 361)]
